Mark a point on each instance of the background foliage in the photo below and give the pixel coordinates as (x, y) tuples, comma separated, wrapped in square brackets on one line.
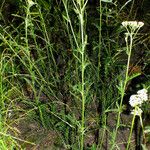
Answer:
[(66, 82)]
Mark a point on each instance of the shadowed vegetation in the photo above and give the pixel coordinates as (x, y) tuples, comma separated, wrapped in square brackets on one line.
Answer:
[(67, 72)]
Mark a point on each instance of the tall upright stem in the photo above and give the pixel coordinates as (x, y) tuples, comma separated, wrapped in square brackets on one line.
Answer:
[(129, 50), (83, 64), (100, 39), (82, 82)]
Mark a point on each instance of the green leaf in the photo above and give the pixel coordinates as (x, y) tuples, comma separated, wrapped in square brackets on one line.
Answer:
[(85, 65), (45, 4), (147, 129), (107, 1), (144, 147), (66, 18), (120, 87), (133, 76)]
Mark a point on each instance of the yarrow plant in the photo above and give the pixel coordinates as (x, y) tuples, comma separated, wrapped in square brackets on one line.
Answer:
[(139, 98), (136, 101), (132, 26)]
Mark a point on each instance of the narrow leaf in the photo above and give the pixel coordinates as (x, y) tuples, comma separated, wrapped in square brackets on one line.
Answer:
[(107, 1)]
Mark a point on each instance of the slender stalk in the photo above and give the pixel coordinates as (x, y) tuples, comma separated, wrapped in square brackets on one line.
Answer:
[(100, 39), (80, 44), (81, 9), (48, 42), (99, 114), (83, 82), (129, 50), (26, 28), (71, 27), (141, 122), (132, 125), (2, 105), (131, 9)]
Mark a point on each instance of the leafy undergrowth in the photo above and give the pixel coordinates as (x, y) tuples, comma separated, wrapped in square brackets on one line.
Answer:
[(70, 74), (36, 137)]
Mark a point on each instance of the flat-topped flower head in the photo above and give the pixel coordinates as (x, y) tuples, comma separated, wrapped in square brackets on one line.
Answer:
[(139, 98), (137, 111), (135, 100), (143, 94), (132, 25), (143, 91)]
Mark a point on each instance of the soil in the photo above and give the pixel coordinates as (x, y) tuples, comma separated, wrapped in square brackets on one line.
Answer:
[(43, 139)]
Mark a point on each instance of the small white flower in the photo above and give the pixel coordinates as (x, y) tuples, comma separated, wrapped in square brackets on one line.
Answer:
[(139, 98), (133, 25), (141, 24), (143, 94), (143, 91), (137, 111), (135, 100), (124, 23)]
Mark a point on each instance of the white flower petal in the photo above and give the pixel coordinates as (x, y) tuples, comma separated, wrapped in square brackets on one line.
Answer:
[(143, 91), (135, 100), (124, 23), (141, 24), (132, 24), (143, 94)]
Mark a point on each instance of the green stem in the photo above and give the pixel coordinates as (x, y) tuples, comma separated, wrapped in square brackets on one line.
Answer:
[(26, 28), (132, 125), (131, 9), (83, 63), (100, 40), (129, 50), (2, 105), (83, 90), (141, 122), (71, 27)]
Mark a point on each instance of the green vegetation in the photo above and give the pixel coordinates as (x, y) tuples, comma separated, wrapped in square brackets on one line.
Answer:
[(67, 71)]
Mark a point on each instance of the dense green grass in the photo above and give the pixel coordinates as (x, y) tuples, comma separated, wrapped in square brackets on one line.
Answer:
[(68, 65)]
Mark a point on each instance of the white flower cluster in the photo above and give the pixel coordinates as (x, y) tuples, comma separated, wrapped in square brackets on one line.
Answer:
[(132, 25), (136, 101), (143, 94), (139, 98)]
